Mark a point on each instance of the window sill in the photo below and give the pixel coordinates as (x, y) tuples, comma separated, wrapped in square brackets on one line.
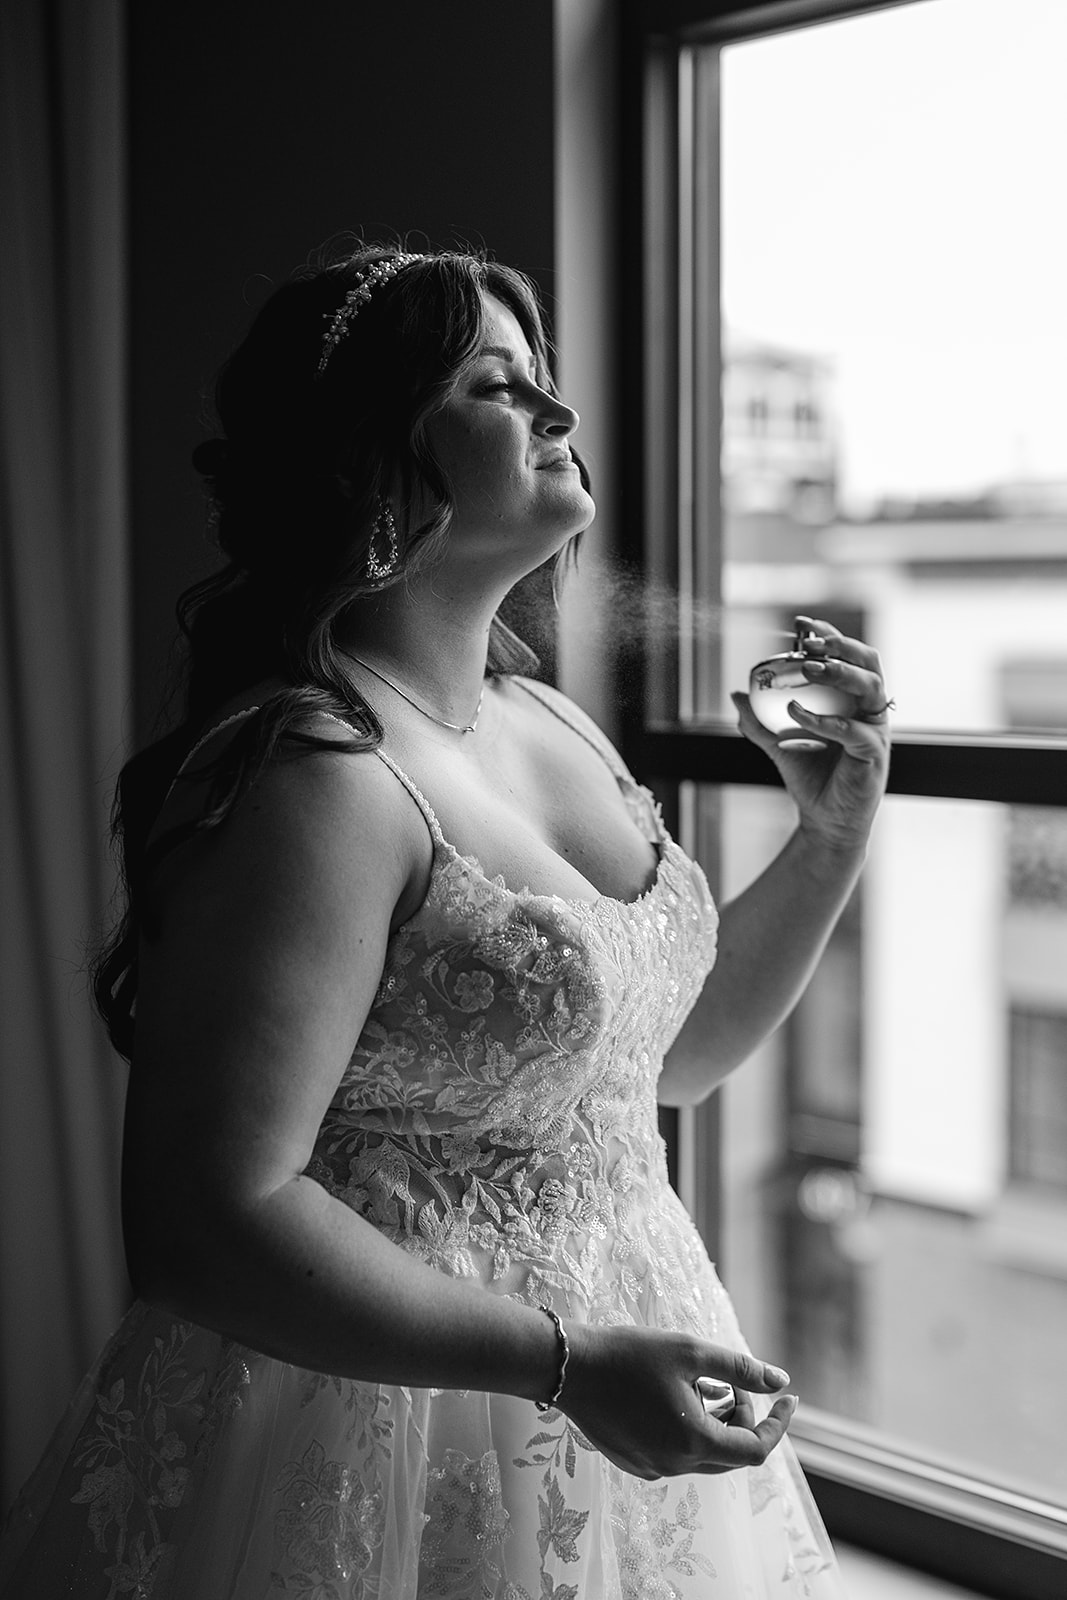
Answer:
[(937, 1518), (870, 1577)]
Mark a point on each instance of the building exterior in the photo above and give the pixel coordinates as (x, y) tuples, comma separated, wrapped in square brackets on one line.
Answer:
[(779, 437), (896, 1157)]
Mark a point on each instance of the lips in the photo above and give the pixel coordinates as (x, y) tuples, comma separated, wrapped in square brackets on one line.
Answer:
[(556, 463)]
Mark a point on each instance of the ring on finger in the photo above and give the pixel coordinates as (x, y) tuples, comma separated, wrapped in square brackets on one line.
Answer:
[(879, 714)]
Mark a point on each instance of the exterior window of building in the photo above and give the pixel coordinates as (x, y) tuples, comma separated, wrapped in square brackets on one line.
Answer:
[(806, 418), (885, 1183), (1039, 1097)]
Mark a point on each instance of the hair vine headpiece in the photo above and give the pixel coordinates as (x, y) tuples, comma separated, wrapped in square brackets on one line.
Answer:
[(366, 281)]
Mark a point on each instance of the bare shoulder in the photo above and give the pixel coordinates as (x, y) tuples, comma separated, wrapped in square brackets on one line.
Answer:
[(330, 819)]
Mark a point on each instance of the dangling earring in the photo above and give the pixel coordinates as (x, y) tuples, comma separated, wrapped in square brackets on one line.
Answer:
[(383, 551)]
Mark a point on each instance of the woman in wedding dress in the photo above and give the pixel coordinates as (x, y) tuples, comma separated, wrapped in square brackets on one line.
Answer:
[(418, 1313)]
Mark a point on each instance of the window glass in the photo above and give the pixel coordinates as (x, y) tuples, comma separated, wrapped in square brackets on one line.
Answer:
[(894, 342), (893, 1158)]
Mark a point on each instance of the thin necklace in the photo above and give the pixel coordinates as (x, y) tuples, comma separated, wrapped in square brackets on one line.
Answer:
[(441, 723)]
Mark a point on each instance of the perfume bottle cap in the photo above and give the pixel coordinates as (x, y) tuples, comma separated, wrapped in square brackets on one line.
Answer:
[(806, 639)]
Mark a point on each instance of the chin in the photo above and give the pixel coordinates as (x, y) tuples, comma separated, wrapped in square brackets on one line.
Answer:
[(583, 515), (574, 528)]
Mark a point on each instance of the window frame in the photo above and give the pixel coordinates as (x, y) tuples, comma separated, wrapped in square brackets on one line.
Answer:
[(871, 1493)]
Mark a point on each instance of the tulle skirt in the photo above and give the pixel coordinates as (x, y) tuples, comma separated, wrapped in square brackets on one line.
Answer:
[(191, 1468)]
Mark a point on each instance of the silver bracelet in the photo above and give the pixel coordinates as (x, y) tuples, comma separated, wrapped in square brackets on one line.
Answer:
[(564, 1357)]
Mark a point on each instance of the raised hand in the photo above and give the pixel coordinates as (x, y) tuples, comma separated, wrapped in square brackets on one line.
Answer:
[(633, 1393)]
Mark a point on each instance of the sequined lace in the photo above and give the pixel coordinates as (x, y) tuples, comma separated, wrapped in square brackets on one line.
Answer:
[(498, 1115)]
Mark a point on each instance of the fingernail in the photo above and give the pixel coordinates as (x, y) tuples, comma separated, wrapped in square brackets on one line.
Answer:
[(776, 1375), (795, 706), (814, 668)]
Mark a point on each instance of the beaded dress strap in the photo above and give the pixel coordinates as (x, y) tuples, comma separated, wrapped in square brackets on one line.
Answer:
[(412, 788), (227, 722), (430, 816)]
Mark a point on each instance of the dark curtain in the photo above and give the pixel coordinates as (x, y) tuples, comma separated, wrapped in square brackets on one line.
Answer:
[(63, 696)]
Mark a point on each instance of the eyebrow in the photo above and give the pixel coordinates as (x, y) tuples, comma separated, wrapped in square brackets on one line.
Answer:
[(502, 353)]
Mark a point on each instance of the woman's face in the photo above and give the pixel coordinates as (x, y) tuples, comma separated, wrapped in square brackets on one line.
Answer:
[(503, 445)]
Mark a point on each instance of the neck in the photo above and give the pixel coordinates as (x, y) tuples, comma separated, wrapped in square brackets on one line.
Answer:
[(434, 644)]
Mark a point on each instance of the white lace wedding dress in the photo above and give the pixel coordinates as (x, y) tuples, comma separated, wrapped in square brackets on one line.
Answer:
[(498, 1120)]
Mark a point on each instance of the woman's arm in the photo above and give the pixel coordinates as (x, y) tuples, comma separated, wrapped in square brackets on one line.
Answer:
[(272, 939), (772, 935), (770, 940), (251, 999)]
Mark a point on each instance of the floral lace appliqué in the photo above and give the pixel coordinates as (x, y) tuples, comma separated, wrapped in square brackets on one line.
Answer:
[(134, 1453), (328, 1528), (656, 1525), (466, 1526)]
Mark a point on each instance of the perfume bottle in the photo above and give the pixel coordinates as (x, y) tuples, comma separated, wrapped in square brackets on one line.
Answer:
[(778, 680)]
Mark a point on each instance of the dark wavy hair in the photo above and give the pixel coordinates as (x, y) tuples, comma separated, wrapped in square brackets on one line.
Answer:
[(293, 485)]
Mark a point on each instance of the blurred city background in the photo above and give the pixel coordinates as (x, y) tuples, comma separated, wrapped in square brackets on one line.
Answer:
[(895, 459)]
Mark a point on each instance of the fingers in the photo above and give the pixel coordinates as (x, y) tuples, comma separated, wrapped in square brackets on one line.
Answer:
[(838, 645), (862, 739), (738, 1440), (847, 664), (743, 1442), (662, 1428), (838, 673), (708, 1446), (750, 725), (743, 1370), (762, 1439)]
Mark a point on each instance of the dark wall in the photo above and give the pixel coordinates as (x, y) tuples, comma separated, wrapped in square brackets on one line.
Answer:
[(256, 132)]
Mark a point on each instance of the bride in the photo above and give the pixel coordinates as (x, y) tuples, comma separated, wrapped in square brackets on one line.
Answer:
[(405, 948)]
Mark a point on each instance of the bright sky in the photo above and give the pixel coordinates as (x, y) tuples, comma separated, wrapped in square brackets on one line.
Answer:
[(895, 197)]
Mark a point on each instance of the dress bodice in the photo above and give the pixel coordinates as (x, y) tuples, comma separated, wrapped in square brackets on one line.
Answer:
[(501, 1098)]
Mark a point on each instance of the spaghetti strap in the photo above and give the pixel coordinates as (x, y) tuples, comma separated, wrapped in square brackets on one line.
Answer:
[(412, 788), (416, 794), (227, 722), (237, 716)]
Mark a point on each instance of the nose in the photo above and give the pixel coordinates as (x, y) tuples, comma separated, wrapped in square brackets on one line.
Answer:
[(556, 420)]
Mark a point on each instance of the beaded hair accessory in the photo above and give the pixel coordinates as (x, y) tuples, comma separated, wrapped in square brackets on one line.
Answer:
[(366, 281)]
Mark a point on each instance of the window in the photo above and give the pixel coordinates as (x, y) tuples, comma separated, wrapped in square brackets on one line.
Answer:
[(806, 418), (1039, 1097), (884, 1182)]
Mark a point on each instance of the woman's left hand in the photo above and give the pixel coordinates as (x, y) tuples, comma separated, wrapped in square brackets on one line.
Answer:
[(838, 787)]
